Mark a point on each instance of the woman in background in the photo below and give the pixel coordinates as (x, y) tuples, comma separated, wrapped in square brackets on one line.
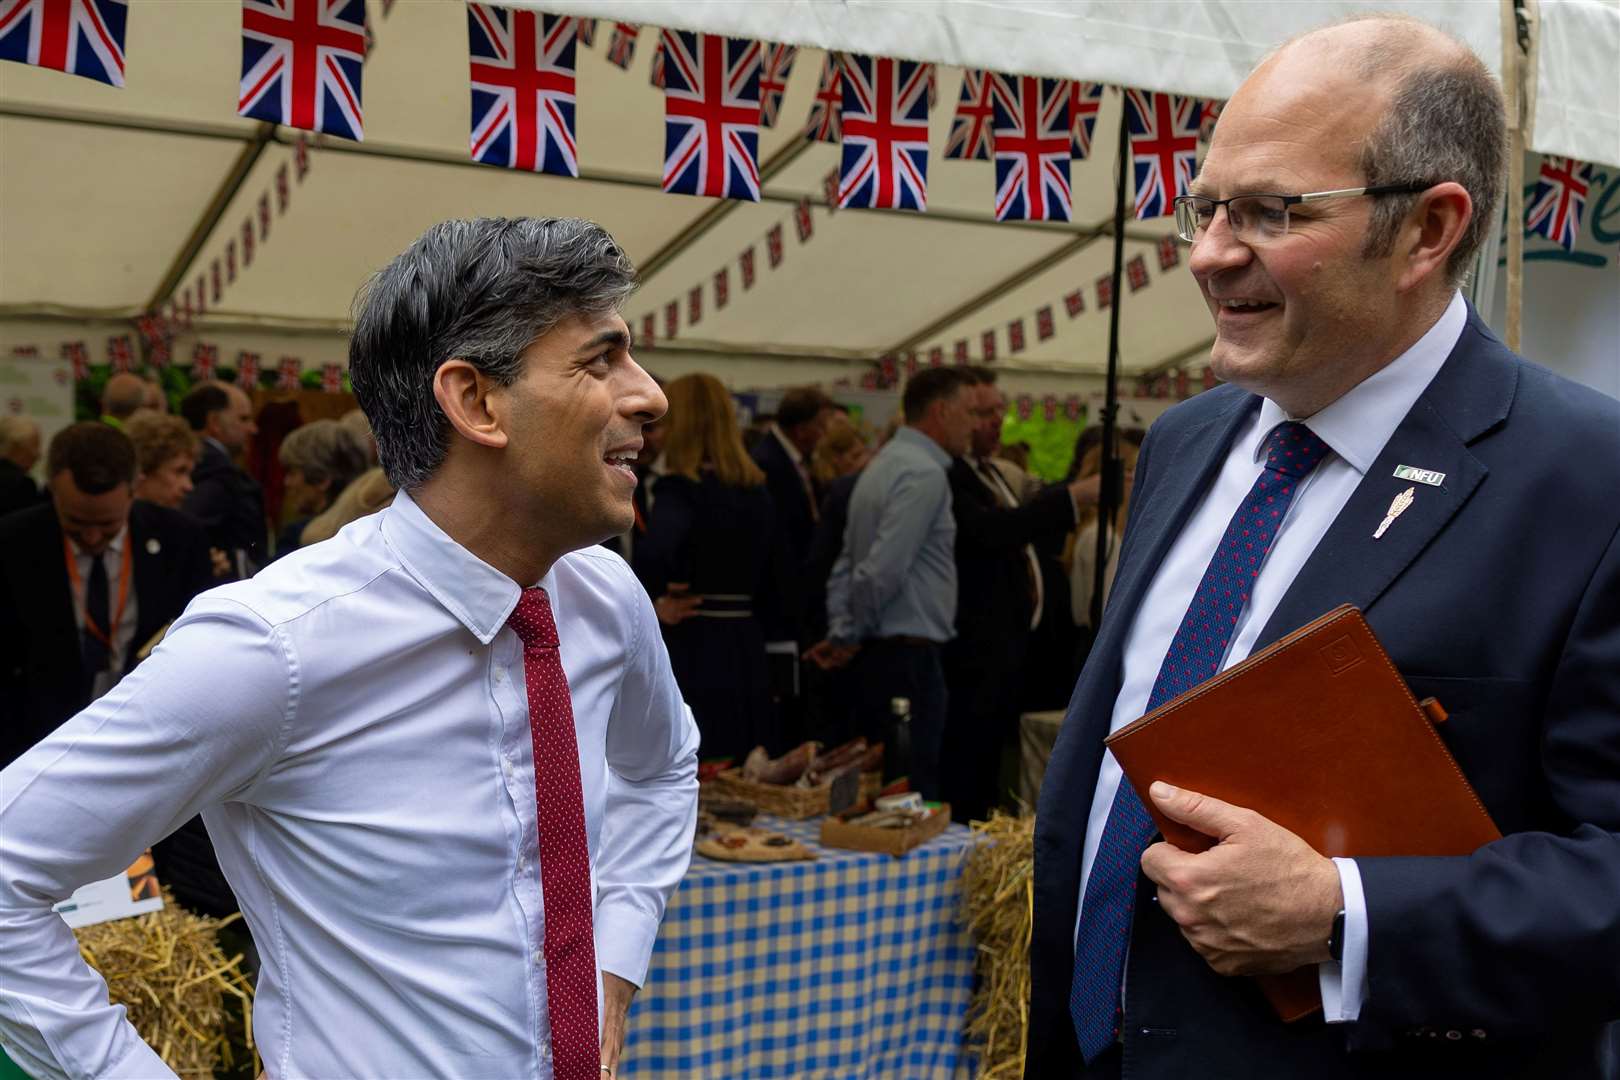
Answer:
[(705, 559), (165, 451), (321, 458)]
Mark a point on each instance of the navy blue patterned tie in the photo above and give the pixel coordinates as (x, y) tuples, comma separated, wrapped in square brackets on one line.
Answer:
[(1195, 655)]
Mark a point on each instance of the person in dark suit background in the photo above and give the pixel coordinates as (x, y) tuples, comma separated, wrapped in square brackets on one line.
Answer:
[(784, 454), (1342, 334), (19, 451), (134, 565), (999, 597), (228, 501)]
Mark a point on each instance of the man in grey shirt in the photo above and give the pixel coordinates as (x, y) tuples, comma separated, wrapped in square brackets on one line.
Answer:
[(892, 593)]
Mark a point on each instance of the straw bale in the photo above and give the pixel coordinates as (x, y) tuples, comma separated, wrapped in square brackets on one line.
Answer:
[(998, 905)]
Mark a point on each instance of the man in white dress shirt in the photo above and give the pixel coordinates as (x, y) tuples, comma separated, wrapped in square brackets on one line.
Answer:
[(1375, 445), (442, 756)]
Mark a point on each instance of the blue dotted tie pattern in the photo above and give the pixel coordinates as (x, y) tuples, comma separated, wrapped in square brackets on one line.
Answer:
[(1195, 654)]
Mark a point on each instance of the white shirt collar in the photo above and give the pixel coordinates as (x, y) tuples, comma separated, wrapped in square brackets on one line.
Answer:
[(115, 546), (476, 593), (787, 444), (1361, 421)]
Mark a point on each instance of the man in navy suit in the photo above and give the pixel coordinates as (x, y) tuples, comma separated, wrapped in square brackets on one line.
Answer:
[(1348, 186)]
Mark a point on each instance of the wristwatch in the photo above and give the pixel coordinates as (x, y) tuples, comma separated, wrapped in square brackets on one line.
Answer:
[(1336, 938)]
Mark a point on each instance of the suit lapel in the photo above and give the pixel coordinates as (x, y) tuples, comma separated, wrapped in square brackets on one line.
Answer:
[(148, 580), (1468, 397)]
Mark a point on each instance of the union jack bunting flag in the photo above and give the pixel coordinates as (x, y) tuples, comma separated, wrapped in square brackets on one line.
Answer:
[(230, 261), (1164, 148), (827, 108), (522, 71), (1209, 111), (694, 306), (217, 280), (1015, 336), (672, 319), (1045, 325), (911, 363), (773, 245), (185, 306), (1049, 407), (248, 242), (885, 145), (1169, 252), (959, 353), (587, 32), (622, 45), (1025, 406), (247, 369), (722, 288), (1136, 272), (1207, 378), (288, 375), (1181, 383), (888, 370), (745, 268), (1105, 291), (331, 378), (202, 292), (970, 137), (120, 354), (649, 331), (1071, 407), (80, 37), (656, 75), (1555, 209), (155, 332), (869, 380), (987, 345), (802, 220), (25, 352), (75, 353), (283, 189), (204, 361), (1032, 149), (773, 77), (933, 88), (829, 188), (1085, 99), (711, 115), (264, 215), (1074, 303), (301, 62), (301, 156)]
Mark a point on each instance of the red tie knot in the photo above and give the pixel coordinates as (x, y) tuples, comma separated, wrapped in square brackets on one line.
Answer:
[(532, 622)]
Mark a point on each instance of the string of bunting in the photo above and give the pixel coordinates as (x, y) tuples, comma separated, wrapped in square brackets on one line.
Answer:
[(249, 371)]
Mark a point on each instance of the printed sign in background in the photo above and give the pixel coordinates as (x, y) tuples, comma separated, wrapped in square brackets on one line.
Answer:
[(40, 387)]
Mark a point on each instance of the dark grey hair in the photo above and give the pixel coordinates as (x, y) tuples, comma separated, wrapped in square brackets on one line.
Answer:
[(325, 450), (481, 291)]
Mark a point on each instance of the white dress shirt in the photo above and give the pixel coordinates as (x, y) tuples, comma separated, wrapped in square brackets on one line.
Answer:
[(1355, 428), (353, 726), (112, 560)]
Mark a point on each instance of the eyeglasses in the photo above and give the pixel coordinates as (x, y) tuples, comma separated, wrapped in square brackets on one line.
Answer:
[(1258, 218)]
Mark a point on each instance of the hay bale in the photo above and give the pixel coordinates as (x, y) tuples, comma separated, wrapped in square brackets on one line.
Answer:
[(998, 890), (166, 968)]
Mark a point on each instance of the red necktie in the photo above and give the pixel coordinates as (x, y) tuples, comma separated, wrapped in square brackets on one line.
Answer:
[(565, 861)]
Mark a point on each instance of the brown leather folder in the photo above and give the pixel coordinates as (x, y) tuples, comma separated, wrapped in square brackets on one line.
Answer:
[(1319, 733)]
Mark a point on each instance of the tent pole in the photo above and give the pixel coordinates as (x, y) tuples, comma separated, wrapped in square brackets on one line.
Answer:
[(1513, 85), (1112, 467)]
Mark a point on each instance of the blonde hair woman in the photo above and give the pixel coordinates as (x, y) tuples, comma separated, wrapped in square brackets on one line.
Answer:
[(706, 561)]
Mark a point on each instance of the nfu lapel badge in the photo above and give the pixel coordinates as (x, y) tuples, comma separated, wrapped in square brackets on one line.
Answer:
[(1422, 476), (1396, 509)]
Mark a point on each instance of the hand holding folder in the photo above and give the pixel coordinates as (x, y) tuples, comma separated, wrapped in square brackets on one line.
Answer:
[(1319, 734)]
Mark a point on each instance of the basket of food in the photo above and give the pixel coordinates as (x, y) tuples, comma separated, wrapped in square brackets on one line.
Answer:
[(799, 784)]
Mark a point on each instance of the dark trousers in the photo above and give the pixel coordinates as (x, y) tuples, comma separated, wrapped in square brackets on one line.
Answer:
[(980, 723), (892, 668)]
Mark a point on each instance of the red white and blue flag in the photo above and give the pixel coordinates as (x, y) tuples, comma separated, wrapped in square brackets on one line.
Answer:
[(204, 361), (622, 45), (331, 378), (1555, 209), (587, 32), (885, 143), (1032, 149), (1208, 112), (301, 63), (522, 71), (80, 37), (120, 354), (1164, 148), (970, 136), (1085, 99), (711, 115), (773, 81), (827, 109)]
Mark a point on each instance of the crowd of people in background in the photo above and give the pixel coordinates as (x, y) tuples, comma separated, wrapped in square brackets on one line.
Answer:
[(806, 570)]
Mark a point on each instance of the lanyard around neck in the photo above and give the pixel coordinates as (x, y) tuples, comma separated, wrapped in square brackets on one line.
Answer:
[(103, 636)]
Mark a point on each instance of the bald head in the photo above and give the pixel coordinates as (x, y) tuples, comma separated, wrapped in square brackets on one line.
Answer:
[(19, 441), (124, 394)]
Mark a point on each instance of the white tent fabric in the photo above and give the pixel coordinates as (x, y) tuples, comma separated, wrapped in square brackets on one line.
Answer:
[(101, 188)]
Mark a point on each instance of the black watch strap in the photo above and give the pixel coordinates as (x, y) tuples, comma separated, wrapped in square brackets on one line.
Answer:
[(1336, 938)]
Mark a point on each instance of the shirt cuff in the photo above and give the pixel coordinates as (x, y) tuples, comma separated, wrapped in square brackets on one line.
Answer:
[(1344, 984), (624, 941)]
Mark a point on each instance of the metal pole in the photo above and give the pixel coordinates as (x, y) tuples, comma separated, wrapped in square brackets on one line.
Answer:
[(1112, 470)]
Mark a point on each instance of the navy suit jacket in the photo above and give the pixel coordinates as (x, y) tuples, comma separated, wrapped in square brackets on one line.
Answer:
[(1498, 592), (784, 613)]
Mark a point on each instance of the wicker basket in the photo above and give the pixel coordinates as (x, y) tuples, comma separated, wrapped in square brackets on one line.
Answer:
[(786, 800)]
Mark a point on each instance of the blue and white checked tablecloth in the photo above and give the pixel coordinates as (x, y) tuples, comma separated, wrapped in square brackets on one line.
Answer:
[(852, 966)]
